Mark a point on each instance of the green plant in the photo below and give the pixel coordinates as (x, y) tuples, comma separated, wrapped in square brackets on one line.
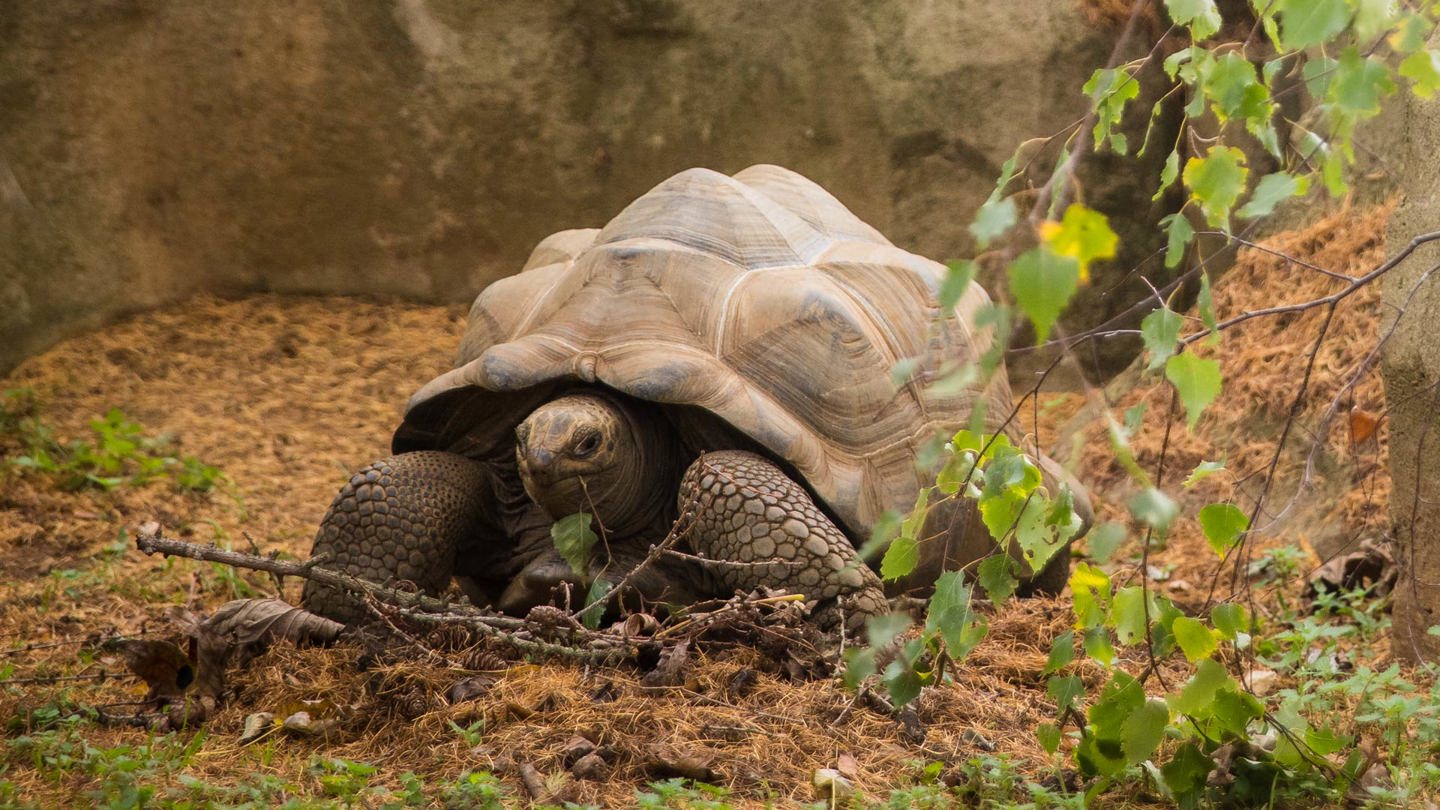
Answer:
[(1347, 55), (119, 453), (474, 790)]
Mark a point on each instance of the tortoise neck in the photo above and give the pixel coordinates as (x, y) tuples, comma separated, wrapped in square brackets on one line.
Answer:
[(641, 495)]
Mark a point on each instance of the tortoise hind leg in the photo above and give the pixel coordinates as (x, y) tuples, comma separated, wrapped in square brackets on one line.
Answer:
[(400, 518), (762, 528)]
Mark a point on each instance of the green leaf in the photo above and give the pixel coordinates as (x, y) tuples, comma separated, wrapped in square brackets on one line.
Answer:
[(1304, 23), (993, 219), (1083, 234), (951, 616), (1205, 303), (1229, 618), (1128, 615), (996, 574), (574, 540), (1412, 32), (901, 682), (1270, 192), (1223, 524), (1090, 595), (1048, 734), (1097, 645), (1199, 692), (1110, 90), (1042, 284), (1186, 774), (1216, 182), (1324, 741), (1194, 638), (904, 370), (1143, 730), (1235, 89), (1203, 470), (1373, 18), (1422, 68), (1062, 652), (859, 665), (596, 601), (1119, 698), (1197, 380), (881, 630), (1065, 690), (961, 273), (886, 527), (1201, 15), (1160, 330), (1102, 541), (901, 558), (1179, 233), (1359, 84), (1234, 710), (1168, 175), (1038, 541), (1153, 508)]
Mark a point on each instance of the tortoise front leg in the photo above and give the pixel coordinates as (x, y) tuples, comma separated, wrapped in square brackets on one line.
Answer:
[(402, 518), (762, 528)]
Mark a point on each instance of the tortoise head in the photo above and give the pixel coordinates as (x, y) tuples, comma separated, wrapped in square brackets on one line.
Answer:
[(584, 453)]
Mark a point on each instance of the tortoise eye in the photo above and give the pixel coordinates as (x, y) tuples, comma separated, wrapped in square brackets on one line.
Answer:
[(587, 445)]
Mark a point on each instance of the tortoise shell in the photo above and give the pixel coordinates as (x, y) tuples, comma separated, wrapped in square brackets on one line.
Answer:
[(758, 299)]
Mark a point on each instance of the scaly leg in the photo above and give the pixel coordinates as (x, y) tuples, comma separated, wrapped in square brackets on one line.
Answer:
[(764, 529), (401, 518)]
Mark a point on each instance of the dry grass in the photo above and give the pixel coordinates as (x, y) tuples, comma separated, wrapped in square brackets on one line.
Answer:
[(288, 395)]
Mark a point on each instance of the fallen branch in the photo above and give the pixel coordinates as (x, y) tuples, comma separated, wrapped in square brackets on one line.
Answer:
[(589, 646)]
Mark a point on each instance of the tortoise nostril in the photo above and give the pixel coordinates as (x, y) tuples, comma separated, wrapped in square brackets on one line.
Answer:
[(540, 458)]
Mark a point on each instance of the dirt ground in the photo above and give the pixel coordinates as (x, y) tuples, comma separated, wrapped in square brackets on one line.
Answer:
[(288, 395)]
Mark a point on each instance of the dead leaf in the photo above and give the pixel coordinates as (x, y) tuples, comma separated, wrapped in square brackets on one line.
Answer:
[(254, 623), (1363, 424), (162, 665), (469, 688), (847, 766), (671, 669), (831, 787), (257, 725)]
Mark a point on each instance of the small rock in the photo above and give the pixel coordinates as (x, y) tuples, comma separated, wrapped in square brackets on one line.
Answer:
[(1180, 586), (1156, 573)]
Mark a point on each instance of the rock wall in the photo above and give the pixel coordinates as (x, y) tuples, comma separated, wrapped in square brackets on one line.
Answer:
[(419, 148)]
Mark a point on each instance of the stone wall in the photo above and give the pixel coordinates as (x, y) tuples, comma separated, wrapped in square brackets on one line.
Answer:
[(419, 148)]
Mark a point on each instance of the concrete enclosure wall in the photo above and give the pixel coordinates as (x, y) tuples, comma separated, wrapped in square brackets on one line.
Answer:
[(150, 149)]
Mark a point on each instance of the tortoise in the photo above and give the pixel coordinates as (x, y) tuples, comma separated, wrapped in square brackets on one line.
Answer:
[(722, 348)]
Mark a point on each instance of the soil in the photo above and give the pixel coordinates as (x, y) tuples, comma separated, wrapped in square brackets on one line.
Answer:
[(288, 395)]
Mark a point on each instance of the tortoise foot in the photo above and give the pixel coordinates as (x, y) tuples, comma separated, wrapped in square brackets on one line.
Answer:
[(759, 527), (401, 518)]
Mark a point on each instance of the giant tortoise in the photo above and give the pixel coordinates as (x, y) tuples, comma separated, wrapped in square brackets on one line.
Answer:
[(723, 348)]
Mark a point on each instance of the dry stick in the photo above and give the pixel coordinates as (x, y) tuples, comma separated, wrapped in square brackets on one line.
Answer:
[(418, 607), (679, 529), (149, 540)]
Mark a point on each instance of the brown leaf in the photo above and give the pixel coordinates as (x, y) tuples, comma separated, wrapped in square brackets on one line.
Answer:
[(847, 766), (469, 688), (252, 621), (1363, 424), (162, 665), (670, 671)]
